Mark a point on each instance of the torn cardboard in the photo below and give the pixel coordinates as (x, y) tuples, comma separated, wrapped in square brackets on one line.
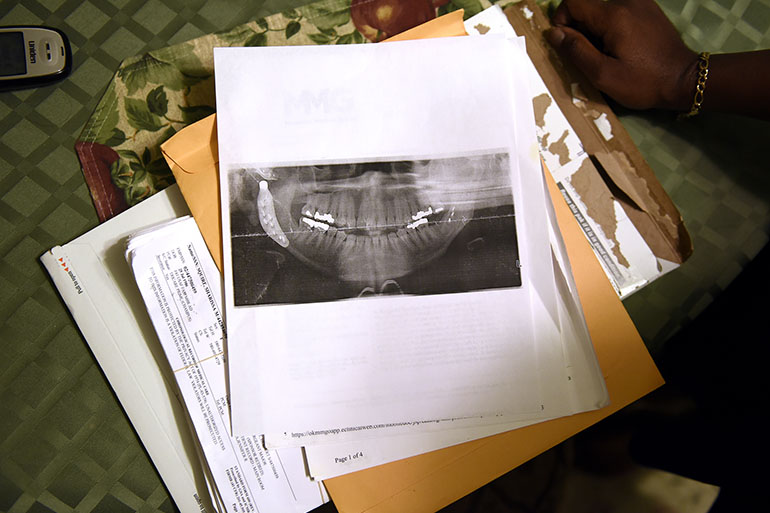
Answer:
[(633, 226)]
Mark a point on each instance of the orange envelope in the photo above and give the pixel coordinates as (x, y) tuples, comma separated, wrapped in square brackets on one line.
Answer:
[(428, 482), (193, 156)]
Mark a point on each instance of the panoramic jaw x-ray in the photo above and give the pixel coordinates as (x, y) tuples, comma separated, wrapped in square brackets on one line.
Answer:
[(373, 228)]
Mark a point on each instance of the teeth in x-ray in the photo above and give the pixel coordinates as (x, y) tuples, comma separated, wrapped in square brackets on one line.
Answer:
[(420, 235), (344, 207), (381, 244), (425, 212), (324, 218), (330, 240), (414, 207), (418, 222), (401, 207), (391, 217), (319, 204), (376, 214), (367, 211), (312, 223), (405, 238), (351, 245), (356, 230), (308, 210), (267, 217), (421, 214), (319, 240)]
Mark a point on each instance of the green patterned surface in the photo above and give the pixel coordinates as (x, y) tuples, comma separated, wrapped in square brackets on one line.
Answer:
[(715, 168), (65, 444), (155, 94)]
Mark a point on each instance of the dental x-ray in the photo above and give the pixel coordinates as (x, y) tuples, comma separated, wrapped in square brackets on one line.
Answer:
[(324, 232)]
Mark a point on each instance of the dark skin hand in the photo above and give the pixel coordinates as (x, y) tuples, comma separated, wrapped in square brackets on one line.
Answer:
[(630, 50)]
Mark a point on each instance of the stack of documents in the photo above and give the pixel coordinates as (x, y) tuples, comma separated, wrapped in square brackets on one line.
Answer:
[(181, 287), (393, 281), (172, 389), (392, 277)]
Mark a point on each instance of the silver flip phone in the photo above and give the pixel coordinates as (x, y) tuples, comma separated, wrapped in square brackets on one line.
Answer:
[(32, 56)]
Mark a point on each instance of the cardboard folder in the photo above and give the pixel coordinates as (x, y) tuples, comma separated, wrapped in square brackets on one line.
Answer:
[(430, 481)]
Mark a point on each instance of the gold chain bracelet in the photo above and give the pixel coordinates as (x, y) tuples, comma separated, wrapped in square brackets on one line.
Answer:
[(703, 75)]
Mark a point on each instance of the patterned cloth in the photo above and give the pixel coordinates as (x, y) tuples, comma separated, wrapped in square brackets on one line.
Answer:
[(154, 95)]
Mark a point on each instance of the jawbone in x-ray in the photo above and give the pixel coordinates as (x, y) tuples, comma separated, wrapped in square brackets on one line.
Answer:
[(311, 233)]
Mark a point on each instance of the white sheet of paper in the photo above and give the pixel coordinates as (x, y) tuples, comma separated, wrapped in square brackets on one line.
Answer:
[(181, 287), (326, 461), (325, 371), (587, 388)]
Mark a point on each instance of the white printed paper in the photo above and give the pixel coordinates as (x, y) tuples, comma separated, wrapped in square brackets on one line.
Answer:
[(181, 288), (586, 386), (330, 460), (347, 339)]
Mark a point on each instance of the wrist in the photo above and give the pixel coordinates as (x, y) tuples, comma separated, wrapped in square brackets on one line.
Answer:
[(700, 87), (680, 96)]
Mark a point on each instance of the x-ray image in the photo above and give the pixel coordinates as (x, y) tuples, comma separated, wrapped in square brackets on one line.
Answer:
[(312, 233)]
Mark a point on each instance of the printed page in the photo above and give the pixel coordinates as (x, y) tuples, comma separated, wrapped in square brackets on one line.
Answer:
[(181, 288), (330, 460), (555, 335), (382, 249), (587, 390)]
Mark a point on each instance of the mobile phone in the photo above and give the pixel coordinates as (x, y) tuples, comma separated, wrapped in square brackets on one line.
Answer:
[(33, 56)]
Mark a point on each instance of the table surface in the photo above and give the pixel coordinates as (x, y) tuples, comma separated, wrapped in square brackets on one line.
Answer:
[(65, 443)]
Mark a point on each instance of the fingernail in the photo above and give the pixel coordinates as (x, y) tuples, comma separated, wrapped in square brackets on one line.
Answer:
[(555, 36)]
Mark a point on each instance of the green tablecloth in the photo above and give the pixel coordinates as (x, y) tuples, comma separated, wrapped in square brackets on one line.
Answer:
[(65, 444)]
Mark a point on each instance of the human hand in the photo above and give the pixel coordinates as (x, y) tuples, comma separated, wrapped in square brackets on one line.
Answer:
[(627, 49)]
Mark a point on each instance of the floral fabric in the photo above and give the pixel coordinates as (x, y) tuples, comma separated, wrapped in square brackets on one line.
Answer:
[(154, 95)]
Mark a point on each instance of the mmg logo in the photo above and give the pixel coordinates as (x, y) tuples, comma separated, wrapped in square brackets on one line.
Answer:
[(312, 105)]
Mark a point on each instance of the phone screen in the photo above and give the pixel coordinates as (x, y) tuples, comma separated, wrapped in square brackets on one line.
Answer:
[(13, 58)]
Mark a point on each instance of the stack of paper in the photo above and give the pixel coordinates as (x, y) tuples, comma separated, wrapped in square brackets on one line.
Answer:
[(393, 280), (181, 287), (391, 273), (99, 289)]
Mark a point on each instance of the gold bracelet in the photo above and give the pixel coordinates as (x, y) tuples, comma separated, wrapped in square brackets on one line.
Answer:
[(703, 75)]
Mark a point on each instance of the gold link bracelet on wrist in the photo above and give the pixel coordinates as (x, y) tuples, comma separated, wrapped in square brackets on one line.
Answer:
[(703, 75)]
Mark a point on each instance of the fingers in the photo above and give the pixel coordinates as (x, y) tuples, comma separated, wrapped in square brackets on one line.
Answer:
[(627, 49), (589, 15), (595, 65)]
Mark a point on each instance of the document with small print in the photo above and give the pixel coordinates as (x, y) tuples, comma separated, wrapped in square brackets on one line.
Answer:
[(181, 288)]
